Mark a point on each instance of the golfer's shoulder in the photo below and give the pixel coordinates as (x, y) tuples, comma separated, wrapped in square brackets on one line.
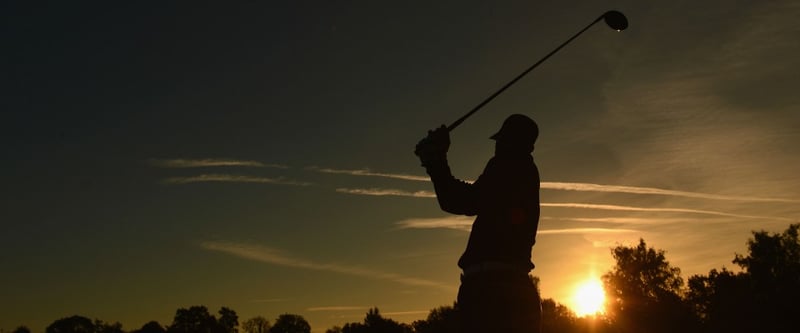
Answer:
[(511, 169)]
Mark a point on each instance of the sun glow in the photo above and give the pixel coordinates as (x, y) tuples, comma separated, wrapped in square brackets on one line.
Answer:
[(589, 298)]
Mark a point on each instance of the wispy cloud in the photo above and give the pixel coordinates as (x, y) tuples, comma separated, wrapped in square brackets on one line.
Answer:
[(588, 187), (463, 223), (386, 191), (336, 308), (232, 179), (658, 210), (368, 173), (210, 162), (568, 186), (618, 220), (585, 231), (275, 257)]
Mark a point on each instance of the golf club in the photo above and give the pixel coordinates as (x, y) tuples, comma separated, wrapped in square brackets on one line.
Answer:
[(613, 19)]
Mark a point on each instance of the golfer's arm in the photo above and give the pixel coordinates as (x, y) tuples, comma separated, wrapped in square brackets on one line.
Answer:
[(454, 196)]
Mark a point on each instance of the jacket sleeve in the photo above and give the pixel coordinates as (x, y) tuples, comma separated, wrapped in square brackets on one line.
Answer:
[(455, 196)]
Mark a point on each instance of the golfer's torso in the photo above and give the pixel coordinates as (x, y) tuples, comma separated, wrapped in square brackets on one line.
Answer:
[(508, 215)]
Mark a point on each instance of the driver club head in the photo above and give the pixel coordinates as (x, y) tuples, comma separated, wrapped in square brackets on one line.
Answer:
[(615, 20)]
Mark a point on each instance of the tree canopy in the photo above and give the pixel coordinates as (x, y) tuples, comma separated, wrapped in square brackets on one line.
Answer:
[(80, 324), (290, 323), (761, 298), (375, 323), (440, 320), (257, 324), (645, 292)]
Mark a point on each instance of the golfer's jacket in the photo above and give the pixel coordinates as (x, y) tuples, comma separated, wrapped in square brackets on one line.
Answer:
[(505, 199)]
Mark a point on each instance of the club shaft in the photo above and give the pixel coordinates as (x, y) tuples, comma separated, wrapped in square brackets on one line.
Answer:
[(498, 92)]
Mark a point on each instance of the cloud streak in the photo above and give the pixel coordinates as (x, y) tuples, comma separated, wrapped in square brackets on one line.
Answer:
[(618, 220), (210, 162), (457, 224), (570, 186), (207, 178), (386, 192), (658, 210), (585, 231), (368, 173), (275, 257), (588, 187), (464, 223)]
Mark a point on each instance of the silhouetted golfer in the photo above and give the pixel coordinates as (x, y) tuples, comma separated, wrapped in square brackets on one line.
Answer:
[(496, 293)]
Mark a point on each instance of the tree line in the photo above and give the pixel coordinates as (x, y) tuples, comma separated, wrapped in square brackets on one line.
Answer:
[(644, 293)]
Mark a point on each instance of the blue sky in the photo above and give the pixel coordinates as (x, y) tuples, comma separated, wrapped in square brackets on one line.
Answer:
[(259, 156)]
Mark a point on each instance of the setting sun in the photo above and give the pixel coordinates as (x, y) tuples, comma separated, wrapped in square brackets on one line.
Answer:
[(589, 298)]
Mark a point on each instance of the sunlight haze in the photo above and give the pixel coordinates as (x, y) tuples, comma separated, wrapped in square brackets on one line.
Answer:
[(589, 298)]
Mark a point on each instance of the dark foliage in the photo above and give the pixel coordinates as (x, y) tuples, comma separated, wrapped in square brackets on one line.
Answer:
[(256, 324), (440, 320), (763, 297), (151, 327), (197, 319), (21, 329), (74, 324), (290, 323), (375, 323), (645, 293), (556, 317)]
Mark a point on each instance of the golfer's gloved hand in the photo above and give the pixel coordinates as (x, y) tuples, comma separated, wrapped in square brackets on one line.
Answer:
[(433, 148)]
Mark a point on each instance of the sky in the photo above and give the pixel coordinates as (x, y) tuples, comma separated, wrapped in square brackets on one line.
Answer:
[(259, 155)]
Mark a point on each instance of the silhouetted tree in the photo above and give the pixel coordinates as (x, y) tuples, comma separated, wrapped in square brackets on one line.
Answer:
[(773, 259), (80, 324), (773, 263), (644, 292), (228, 320), (151, 327), (556, 317), (354, 328), (102, 327), (760, 299), (595, 324), (256, 324), (723, 301), (195, 319), (375, 323), (443, 319), (290, 323), (335, 329), (21, 329), (74, 324)]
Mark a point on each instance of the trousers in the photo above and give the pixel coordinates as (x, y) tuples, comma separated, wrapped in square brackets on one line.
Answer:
[(498, 301)]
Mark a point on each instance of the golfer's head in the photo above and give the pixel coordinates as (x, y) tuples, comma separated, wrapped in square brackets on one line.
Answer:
[(517, 135)]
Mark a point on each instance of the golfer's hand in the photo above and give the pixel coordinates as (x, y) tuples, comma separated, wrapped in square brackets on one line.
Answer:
[(434, 146)]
